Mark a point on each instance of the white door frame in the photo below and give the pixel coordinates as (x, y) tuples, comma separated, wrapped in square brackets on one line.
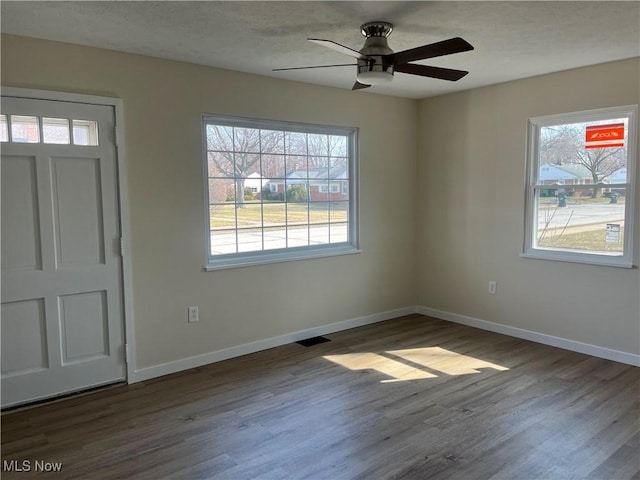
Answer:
[(122, 197)]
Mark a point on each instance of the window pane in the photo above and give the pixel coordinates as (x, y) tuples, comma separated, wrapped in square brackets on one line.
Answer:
[(339, 211), (319, 234), (297, 191), (274, 214), (24, 129), (297, 214), (319, 167), (219, 138), (249, 239), (297, 236), (275, 237), (296, 166), (246, 140), (220, 164), (338, 168), (223, 242), (318, 212), (582, 219), (337, 146), (272, 141), (295, 143), (319, 191), (249, 215), (339, 232), (222, 216), (247, 164), (4, 131), (273, 166), (85, 132), (318, 144), (221, 190), (56, 130)]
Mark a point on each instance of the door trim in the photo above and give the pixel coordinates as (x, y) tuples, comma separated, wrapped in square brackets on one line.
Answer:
[(122, 197)]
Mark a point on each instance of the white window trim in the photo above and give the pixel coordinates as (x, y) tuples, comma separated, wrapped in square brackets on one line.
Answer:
[(529, 251), (245, 259)]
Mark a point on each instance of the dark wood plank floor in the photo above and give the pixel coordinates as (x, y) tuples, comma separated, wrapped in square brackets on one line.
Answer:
[(398, 399)]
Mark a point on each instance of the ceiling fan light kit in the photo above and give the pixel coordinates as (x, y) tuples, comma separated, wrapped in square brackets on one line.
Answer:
[(376, 62), (374, 70)]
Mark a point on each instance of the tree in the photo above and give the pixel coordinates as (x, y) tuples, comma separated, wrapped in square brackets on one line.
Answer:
[(565, 144), (297, 193), (601, 162), (235, 153)]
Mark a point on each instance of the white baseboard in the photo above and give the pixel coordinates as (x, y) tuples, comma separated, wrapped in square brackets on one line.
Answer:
[(573, 345), (239, 350)]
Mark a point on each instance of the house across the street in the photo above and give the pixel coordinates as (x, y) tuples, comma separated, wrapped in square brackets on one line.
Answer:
[(323, 184)]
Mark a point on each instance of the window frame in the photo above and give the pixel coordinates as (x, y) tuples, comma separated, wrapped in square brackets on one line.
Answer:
[(260, 257), (530, 250)]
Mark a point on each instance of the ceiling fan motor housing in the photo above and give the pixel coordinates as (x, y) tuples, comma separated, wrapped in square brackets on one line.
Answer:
[(375, 69)]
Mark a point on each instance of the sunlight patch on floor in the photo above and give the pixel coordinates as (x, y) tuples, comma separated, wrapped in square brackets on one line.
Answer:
[(414, 363)]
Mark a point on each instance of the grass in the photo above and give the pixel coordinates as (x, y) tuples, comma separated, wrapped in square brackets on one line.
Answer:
[(277, 214), (550, 202), (591, 240)]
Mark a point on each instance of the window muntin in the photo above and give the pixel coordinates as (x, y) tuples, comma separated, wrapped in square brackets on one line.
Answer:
[(278, 191), (580, 187)]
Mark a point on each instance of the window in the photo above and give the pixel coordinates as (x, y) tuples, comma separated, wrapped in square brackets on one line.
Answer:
[(580, 186), (297, 212), (28, 129)]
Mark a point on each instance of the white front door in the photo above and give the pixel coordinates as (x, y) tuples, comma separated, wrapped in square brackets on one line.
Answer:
[(62, 296)]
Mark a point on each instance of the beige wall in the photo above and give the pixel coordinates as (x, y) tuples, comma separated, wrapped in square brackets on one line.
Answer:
[(434, 241), (163, 103), (471, 206)]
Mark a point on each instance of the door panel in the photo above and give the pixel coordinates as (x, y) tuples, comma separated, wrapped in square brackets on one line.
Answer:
[(77, 204), (85, 329), (62, 307), (24, 337), (20, 226)]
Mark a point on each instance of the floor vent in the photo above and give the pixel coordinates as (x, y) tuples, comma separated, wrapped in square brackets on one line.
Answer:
[(309, 342)]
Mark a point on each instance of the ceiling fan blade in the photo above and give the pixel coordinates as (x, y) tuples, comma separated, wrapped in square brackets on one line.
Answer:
[(445, 47), (315, 66), (433, 72), (359, 86), (338, 47)]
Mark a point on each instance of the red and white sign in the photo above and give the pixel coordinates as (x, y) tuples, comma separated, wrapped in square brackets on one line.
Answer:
[(605, 136)]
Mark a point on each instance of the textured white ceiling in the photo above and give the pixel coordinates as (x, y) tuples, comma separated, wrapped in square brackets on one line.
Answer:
[(512, 40)]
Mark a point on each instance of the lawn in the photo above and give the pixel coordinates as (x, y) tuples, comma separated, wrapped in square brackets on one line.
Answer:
[(277, 213), (591, 240), (550, 202)]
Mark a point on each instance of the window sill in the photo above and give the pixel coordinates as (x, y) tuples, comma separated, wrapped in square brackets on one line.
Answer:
[(575, 257), (262, 258)]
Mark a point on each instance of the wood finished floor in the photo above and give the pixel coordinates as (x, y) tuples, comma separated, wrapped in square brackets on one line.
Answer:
[(530, 411)]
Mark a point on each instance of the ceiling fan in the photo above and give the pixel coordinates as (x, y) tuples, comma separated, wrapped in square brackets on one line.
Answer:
[(377, 63)]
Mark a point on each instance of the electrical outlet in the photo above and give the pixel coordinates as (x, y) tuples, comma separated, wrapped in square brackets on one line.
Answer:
[(493, 287), (192, 315)]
